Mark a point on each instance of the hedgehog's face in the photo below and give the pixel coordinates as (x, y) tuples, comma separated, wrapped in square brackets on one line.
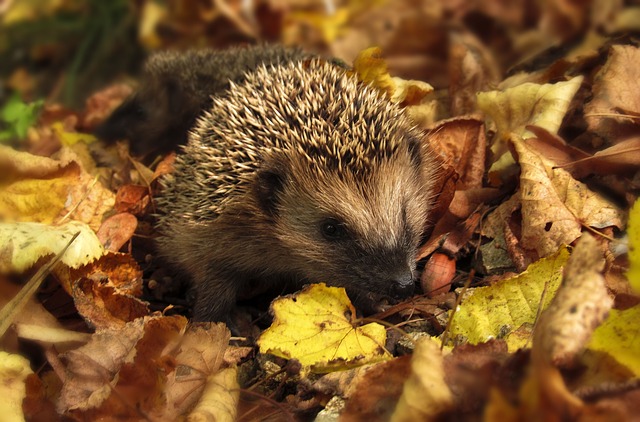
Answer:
[(355, 231)]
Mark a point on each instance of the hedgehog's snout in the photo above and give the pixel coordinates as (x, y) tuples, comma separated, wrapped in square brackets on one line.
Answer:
[(402, 286)]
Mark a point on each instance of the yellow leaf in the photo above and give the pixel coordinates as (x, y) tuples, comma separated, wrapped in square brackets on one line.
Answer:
[(152, 14), (371, 68), (14, 369), (633, 231), (23, 244), (316, 327), (71, 138), (220, 398), (527, 104), (494, 311), (425, 394), (619, 336), (42, 189), (580, 305)]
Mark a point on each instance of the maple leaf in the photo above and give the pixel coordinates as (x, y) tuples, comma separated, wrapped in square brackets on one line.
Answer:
[(316, 327)]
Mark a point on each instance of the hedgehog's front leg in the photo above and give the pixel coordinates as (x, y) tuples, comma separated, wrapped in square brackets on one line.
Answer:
[(217, 291)]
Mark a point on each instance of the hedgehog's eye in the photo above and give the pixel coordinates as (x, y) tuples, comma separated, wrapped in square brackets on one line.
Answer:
[(332, 229)]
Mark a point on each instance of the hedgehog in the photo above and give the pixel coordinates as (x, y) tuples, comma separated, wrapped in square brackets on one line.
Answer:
[(176, 87), (299, 173)]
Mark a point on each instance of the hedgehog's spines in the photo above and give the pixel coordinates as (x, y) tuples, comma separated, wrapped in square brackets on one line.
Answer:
[(276, 157)]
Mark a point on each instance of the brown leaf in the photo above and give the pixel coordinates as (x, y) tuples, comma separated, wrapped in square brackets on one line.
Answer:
[(581, 304), (132, 199), (116, 230), (100, 105), (104, 291), (613, 112), (377, 390), (472, 69), (154, 366), (621, 158), (40, 189), (199, 354), (460, 221), (425, 395), (462, 142), (554, 205)]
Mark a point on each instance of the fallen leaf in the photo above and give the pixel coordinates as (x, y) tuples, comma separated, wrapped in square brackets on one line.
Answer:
[(371, 394), (220, 398), (133, 199), (371, 68), (527, 104), (45, 190), (14, 370), (199, 371), (564, 328), (100, 105), (154, 365), (633, 232), (494, 311), (621, 158), (613, 111), (461, 142), (117, 230), (425, 395), (618, 336), (70, 138), (316, 327), (579, 306), (105, 291), (23, 244), (554, 205)]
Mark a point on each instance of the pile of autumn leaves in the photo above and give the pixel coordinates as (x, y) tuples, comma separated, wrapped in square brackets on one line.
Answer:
[(506, 345)]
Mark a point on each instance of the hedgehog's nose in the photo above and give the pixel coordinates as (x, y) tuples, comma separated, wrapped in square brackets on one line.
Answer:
[(403, 285)]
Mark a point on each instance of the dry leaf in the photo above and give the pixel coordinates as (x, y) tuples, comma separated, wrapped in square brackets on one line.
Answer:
[(461, 142), (219, 401), (153, 365), (494, 311), (117, 230), (14, 370), (527, 104), (373, 393), (581, 304), (23, 244), (46, 190), (615, 107), (316, 327), (425, 395), (554, 206), (104, 291), (199, 357)]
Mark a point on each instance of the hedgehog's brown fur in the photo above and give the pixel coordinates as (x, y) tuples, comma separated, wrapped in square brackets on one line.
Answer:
[(300, 173), (176, 87)]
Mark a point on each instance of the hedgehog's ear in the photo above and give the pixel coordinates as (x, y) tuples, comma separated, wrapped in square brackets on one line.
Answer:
[(269, 182)]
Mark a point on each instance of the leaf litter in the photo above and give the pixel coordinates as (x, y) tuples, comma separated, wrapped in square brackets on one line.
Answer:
[(528, 252)]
